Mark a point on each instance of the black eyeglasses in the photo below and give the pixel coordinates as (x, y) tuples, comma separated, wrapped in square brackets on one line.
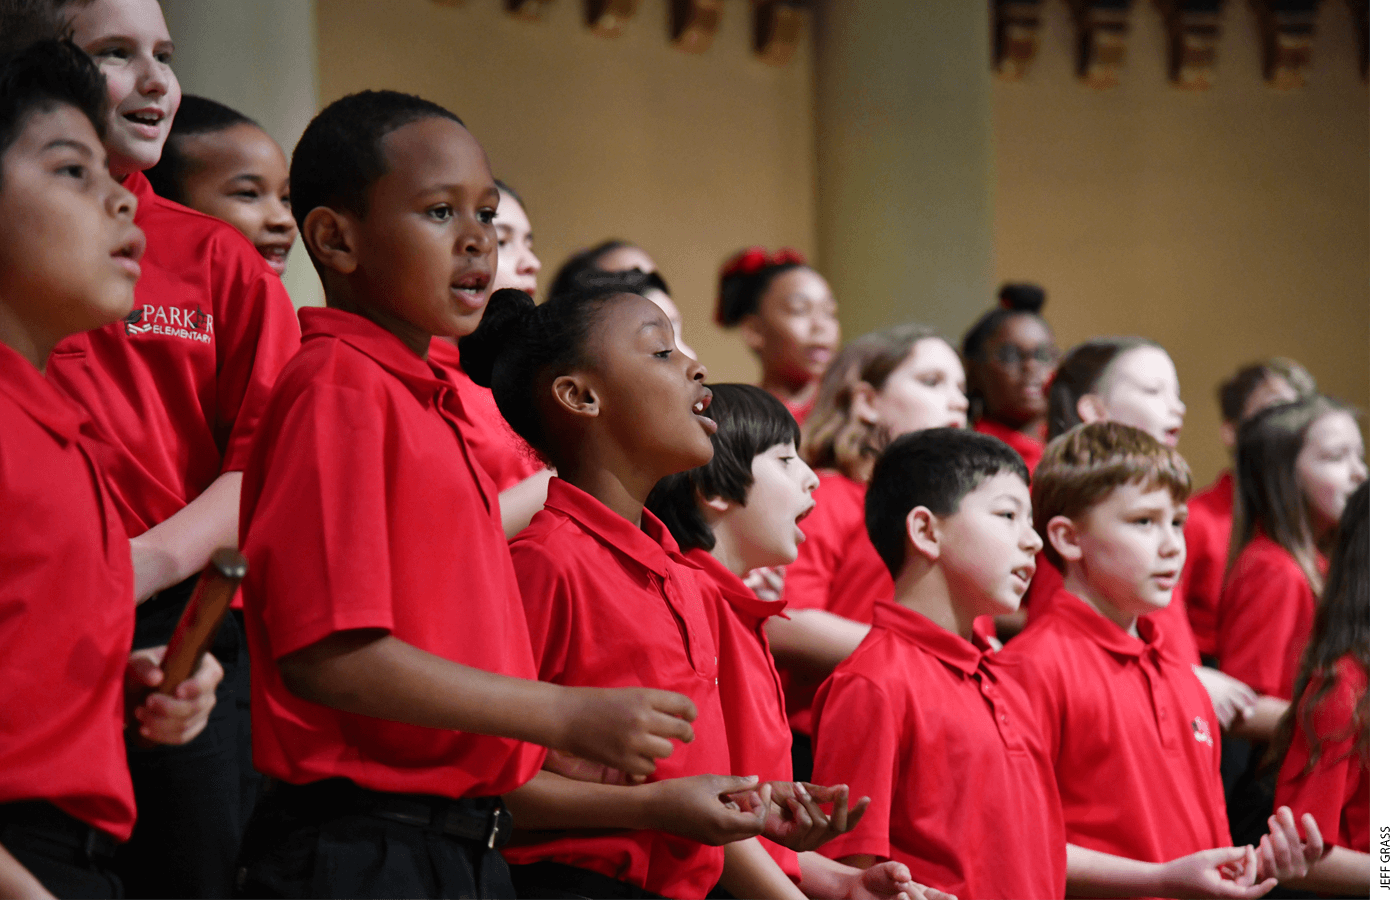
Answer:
[(1012, 355)]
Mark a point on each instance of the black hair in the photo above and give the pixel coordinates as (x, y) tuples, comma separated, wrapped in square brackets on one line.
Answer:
[(42, 77), (1234, 393), (1015, 300), (750, 421), (520, 348), (566, 279), (935, 468), (341, 153), (632, 281), (740, 291), (25, 22), (196, 115)]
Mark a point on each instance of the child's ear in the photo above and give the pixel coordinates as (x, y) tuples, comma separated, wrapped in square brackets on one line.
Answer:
[(1091, 408), (330, 239), (750, 333), (575, 394), (715, 505), (1062, 534), (863, 403), (923, 531)]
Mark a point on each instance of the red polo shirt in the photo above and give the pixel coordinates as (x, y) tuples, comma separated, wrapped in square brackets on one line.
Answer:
[(961, 788), (1266, 613), (1177, 638), (1338, 789), (837, 569), (800, 411), (179, 387), (760, 742), (502, 453), (66, 614), (1028, 448), (363, 508), (614, 605), (1131, 731), (1207, 551)]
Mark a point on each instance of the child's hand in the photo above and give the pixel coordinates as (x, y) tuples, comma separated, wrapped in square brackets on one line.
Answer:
[(1227, 872), (797, 821), (624, 728), (1230, 697), (180, 717), (766, 583), (1282, 853), (711, 809), (580, 769), (890, 880)]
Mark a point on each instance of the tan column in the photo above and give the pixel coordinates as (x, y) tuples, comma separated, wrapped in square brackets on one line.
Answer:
[(904, 160), (258, 56)]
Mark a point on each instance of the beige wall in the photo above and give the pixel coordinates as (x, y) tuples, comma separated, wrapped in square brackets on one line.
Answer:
[(690, 156), (1229, 225)]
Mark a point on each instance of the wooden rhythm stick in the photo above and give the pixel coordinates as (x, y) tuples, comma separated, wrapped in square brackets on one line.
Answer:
[(202, 616)]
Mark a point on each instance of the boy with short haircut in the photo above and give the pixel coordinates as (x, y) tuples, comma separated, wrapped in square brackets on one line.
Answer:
[(1128, 726), (956, 761), (69, 259), (383, 612)]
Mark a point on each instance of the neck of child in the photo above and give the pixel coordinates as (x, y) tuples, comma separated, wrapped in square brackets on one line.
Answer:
[(922, 587), (796, 393), (620, 490), (413, 337), (23, 339), (1079, 586), (727, 552), (1030, 428)]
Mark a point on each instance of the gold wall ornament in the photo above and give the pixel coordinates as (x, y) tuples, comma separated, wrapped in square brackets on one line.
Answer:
[(607, 18), (1101, 28), (1015, 36), (694, 23), (529, 10), (1286, 29), (1193, 31), (777, 27)]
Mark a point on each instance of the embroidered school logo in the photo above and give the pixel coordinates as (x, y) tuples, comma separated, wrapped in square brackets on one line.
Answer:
[(1201, 730), (133, 322), (171, 321)]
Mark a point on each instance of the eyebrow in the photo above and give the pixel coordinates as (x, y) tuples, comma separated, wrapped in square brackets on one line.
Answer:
[(653, 323), (68, 143)]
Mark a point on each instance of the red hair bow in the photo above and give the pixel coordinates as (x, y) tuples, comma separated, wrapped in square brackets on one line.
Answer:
[(755, 259)]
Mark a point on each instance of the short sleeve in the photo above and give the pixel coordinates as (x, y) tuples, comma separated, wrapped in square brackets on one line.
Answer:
[(320, 513), (545, 593), (1327, 789), (1266, 612), (848, 751), (256, 332)]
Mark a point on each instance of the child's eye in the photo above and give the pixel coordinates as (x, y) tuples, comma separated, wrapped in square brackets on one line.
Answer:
[(246, 195), (440, 213), (165, 57), (486, 216), (73, 170), (663, 354), (113, 53)]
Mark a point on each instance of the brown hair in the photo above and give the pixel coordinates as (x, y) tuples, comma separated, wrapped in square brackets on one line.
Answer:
[(1234, 393), (1082, 466), (833, 438), (1268, 498), (1081, 372)]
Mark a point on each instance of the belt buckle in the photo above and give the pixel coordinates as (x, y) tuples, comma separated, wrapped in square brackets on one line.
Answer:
[(495, 828)]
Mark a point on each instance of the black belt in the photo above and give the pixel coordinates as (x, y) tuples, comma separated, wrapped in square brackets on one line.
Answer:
[(43, 820), (480, 819)]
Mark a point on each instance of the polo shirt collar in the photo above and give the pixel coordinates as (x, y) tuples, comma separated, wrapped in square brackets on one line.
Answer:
[(651, 545), (1105, 632), (140, 185), (952, 649), (373, 341), (732, 588), (34, 394)]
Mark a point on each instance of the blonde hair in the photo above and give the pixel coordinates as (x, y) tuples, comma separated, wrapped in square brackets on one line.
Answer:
[(833, 436)]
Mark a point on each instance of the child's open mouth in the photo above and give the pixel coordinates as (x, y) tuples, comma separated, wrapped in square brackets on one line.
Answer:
[(470, 289), (699, 407)]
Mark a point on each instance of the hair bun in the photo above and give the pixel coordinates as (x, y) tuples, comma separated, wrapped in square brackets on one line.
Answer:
[(1022, 297), (500, 325)]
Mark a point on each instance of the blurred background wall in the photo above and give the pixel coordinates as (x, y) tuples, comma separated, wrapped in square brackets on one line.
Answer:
[(1228, 224)]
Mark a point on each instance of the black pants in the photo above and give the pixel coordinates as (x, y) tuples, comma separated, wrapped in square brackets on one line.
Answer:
[(189, 819), (801, 757), (333, 839), (70, 858), (556, 881)]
